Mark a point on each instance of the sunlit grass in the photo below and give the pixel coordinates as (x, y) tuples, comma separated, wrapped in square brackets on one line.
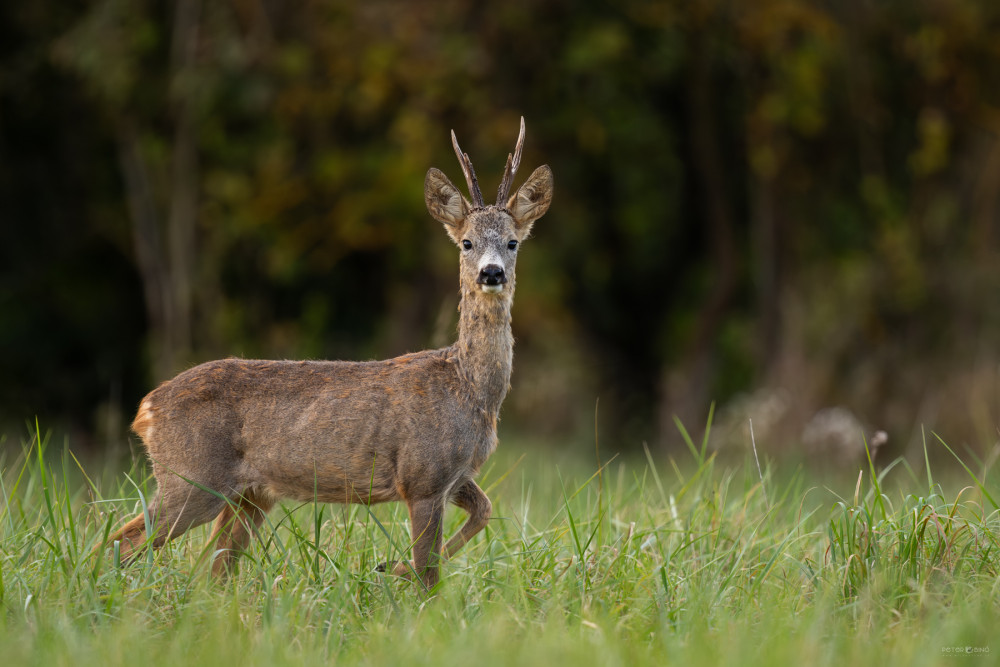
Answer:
[(640, 562)]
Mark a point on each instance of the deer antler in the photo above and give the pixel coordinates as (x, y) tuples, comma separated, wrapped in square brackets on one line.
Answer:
[(513, 162), (470, 173)]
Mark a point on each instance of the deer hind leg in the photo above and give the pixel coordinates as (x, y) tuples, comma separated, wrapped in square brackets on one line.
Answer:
[(473, 500), (235, 526), (426, 522), (176, 507), (131, 537)]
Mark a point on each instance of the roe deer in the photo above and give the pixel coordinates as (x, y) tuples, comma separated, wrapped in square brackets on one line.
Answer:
[(229, 438)]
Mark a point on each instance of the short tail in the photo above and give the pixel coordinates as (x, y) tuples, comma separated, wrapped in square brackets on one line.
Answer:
[(143, 423)]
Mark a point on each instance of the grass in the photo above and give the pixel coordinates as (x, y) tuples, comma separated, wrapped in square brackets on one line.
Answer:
[(639, 563)]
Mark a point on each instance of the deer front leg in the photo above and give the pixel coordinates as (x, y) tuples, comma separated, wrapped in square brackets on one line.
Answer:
[(426, 520), (473, 500)]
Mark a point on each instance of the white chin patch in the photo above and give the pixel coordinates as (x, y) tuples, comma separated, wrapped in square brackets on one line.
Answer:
[(492, 289)]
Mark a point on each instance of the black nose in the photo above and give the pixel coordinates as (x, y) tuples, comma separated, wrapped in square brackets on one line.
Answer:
[(491, 274)]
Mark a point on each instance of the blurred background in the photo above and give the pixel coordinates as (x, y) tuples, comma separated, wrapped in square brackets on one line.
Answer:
[(787, 209)]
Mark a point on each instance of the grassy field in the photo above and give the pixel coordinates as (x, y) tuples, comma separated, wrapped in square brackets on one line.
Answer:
[(688, 562)]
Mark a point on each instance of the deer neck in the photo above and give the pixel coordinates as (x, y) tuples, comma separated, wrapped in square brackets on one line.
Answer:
[(486, 346)]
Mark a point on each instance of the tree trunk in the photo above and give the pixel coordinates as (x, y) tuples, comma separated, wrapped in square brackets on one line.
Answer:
[(167, 271), (686, 388)]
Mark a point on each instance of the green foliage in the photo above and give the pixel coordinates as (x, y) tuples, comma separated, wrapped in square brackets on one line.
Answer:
[(633, 564)]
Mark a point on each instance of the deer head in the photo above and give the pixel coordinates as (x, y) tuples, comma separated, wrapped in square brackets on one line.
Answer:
[(488, 236)]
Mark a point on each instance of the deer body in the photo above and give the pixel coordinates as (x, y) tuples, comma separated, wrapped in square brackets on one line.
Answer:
[(415, 428)]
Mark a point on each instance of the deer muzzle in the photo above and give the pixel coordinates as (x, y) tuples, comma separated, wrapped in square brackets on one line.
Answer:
[(492, 278)]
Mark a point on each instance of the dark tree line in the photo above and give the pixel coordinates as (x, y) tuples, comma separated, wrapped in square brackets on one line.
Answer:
[(792, 198)]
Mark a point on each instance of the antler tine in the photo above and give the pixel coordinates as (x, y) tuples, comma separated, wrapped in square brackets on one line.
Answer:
[(470, 173), (513, 162)]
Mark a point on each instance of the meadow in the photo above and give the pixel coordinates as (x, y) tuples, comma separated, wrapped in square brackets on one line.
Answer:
[(652, 560)]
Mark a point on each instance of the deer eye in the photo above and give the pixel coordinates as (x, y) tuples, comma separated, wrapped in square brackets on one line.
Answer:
[(512, 245), (467, 244)]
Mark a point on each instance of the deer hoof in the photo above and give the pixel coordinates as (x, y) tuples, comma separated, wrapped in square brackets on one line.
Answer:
[(397, 568)]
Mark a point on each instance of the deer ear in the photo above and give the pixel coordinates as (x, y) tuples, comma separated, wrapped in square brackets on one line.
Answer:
[(531, 200), (445, 203)]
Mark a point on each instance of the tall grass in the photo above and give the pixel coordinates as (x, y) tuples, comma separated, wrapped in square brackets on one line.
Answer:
[(640, 562)]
